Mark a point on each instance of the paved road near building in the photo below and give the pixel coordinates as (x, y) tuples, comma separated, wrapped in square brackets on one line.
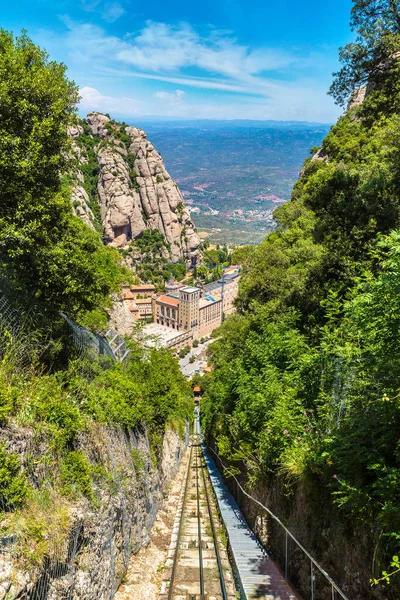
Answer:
[(188, 368)]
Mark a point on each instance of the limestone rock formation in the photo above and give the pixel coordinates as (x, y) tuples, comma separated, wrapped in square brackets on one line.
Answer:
[(320, 155), (120, 318), (79, 198), (357, 98), (135, 192)]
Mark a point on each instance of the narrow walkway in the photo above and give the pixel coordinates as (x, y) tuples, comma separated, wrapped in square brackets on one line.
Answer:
[(259, 576)]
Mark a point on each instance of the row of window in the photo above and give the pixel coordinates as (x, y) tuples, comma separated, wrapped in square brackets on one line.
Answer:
[(168, 312)]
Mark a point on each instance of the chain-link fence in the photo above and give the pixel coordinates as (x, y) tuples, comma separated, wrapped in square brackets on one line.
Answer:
[(54, 575)]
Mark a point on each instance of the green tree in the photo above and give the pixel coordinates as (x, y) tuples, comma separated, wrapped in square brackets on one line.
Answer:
[(371, 56), (45, 252)]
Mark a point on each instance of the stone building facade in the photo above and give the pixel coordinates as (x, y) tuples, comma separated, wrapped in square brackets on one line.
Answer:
[(196, 309), (190, 310)]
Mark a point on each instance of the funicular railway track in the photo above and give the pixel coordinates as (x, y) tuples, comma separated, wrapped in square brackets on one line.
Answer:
[(200, 568)]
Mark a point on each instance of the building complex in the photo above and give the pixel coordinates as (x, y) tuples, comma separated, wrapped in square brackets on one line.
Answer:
[(183, 313)]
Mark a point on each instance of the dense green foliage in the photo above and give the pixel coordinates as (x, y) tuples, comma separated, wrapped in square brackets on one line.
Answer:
[(51, 259), (54, 405), (307, 374), (13, 482), (151, 392), (377, 23), (46, 253), (149, 252)]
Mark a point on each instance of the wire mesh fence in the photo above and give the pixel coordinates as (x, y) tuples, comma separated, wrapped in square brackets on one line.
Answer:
[(87, 343), (43, 559), (51, 572)]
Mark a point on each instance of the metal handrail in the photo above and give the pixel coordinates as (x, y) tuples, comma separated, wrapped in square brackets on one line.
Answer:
[(314, 563)]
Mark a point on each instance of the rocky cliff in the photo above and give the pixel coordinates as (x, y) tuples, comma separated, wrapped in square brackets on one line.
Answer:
[(79, 548), (120, 185)]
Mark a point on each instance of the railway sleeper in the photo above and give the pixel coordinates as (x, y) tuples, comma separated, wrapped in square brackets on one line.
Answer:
[(195, 544)]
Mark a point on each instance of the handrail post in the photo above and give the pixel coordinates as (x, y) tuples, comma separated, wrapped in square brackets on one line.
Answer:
[(312, 581), (286, 556)]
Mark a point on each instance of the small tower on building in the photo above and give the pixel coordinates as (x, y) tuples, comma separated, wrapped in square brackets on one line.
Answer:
[(172, 288)]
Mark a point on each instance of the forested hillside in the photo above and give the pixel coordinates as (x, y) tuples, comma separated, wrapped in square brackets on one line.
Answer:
[(305, 389)]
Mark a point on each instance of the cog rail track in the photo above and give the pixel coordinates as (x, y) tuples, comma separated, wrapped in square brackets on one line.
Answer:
[(197, 565)]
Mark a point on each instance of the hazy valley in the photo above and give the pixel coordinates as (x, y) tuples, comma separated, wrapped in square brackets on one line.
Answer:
[(233, 174)]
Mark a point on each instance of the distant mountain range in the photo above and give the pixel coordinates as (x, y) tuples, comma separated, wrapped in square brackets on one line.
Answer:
[(222, 124)]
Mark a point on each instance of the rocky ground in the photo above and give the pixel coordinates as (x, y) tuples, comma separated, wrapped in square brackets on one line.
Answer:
[(145, 572)]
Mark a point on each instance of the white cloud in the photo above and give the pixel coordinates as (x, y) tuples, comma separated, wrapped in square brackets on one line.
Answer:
[(171, 96), (227, 79), (172, 102), (162, 47), (92, 99), (196, 82), (110, 11)]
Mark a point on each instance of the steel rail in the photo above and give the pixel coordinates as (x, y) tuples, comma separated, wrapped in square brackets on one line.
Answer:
[(215, 540), (201, 570), (178, 539)]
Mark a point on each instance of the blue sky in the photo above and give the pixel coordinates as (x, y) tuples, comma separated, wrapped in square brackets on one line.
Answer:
[(218, 59)]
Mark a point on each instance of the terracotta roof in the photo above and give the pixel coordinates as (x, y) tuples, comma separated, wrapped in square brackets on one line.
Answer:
[(133, 308), (145, 286), (127, 294), (168, 300)]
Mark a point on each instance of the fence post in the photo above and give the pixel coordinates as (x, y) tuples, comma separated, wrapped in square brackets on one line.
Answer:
[(312, 581), (286, 556)]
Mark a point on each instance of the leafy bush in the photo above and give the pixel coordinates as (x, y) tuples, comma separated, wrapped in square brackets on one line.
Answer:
[(46, 253), (76, 474), (13, 482)]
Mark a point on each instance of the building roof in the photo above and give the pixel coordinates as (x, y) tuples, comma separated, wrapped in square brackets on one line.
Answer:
[(203, 302), (232, 268), (209, 297), (189, 289), (127, 294), (144, 286), (216, 285), (132, 307), (230, 276), (162, 334), (143, 301), (168, 300), (211, 287)]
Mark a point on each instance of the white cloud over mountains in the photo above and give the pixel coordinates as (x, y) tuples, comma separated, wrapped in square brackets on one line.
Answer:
[(93, 100), (163, 47), (216, 75)]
